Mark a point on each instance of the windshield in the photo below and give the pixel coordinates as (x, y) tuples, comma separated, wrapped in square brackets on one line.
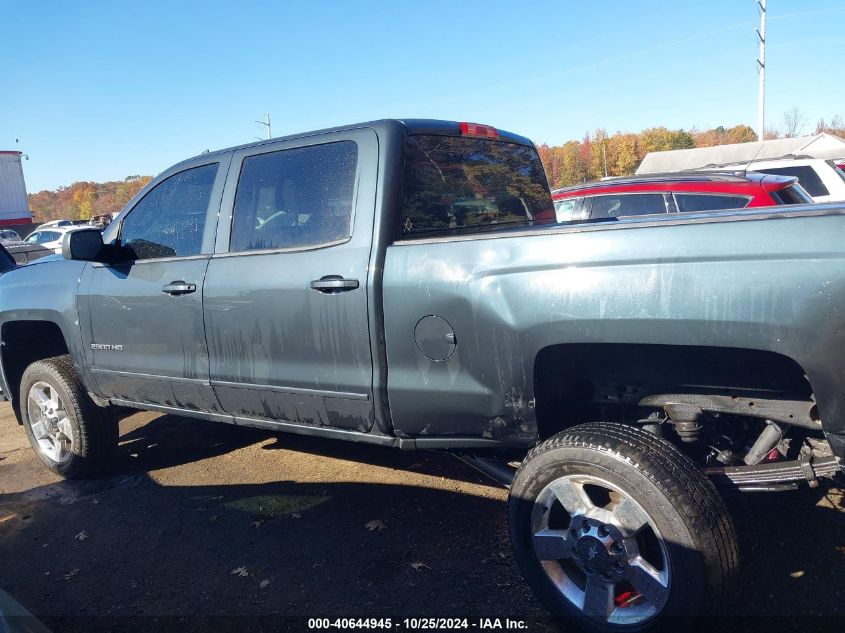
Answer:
[(460, 184)]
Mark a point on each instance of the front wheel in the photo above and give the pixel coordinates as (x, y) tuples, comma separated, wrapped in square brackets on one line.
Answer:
[(617, 529), (71, 435)]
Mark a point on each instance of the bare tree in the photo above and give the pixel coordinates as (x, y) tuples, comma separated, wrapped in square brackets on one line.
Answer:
[(836, 126), (793, 122)]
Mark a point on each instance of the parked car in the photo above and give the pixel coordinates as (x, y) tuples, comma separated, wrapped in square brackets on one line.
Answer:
[(24, 253), (676, 192), (8, 236), (52, 237), (822, 179), (54, 224), (405, 284), (101, 221)]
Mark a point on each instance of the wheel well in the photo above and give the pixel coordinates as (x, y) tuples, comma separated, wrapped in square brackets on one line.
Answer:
[(24, 343), (583, 382)]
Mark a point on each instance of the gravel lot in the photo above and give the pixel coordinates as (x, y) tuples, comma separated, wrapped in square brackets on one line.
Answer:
[(205, 526)]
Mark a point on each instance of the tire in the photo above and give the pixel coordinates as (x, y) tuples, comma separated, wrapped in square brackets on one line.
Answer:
[(645, 539), (76, 439)]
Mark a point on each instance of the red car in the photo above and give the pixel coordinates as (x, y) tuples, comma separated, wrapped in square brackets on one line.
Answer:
[(683, 192)]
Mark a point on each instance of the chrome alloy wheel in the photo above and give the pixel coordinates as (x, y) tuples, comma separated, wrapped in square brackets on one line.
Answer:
[(49, 423), (601, 550)]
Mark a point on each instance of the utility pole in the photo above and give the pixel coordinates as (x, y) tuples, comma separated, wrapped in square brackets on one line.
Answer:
[(761, 72), (267, 123), (604, 155)]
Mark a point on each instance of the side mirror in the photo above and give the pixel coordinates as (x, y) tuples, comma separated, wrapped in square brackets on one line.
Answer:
[(83, 245)]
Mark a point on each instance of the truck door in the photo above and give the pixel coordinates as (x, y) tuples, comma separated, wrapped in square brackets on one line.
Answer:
[(141, 318), (285, 296)]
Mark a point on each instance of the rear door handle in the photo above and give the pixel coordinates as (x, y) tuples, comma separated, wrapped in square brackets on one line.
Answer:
[(331, 284), (179, 288)]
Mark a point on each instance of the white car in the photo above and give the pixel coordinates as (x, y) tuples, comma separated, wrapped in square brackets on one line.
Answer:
[(822, 179), (53, 224), (52, 237), (8, 236)]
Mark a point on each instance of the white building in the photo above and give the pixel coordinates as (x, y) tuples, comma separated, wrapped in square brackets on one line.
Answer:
[(14, 206), (825, 146)]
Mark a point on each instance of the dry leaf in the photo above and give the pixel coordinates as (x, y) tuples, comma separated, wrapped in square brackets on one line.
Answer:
[(296, 515), (796, 574), (240, 571), (71, 574), (264, 583), (419, 566), (81, 536), (258, 523), (375, 524)]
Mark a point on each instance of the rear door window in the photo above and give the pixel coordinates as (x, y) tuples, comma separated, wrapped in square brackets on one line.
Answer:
[(460, 184), (295, 198), (691, 202), (626, 204), (806, 175)]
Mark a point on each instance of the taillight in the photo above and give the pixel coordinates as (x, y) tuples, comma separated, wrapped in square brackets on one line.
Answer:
[(476, 129)]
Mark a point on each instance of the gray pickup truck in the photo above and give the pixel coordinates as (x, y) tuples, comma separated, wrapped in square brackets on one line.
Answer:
[(404, 283)]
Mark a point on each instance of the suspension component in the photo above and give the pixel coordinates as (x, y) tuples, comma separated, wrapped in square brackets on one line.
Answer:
[(765, 443), (686, 419)]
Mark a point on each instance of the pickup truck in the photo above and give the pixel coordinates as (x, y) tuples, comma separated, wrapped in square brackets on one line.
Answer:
[(405, 283)]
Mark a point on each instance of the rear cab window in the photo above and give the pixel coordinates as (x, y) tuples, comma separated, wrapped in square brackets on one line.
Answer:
[(456, 185), (793, 194)]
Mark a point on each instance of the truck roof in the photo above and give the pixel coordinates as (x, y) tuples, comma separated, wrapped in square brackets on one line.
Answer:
[(435, 127)]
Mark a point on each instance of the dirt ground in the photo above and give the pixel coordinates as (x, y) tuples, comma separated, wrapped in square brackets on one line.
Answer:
[(207, 527)]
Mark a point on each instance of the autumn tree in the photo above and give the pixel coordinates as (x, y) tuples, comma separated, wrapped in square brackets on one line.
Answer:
[(584, 161), (82, 200), (623, 155)]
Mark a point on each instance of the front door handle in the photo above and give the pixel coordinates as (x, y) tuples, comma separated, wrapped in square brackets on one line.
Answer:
[(179, 288), (331, 284)]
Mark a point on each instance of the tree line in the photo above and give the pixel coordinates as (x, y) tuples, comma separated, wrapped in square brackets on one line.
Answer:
[(595, 156), (83, 200), (599, 154)]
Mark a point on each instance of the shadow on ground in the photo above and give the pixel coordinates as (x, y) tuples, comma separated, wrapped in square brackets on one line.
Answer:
[(163, 545), (165, 550)]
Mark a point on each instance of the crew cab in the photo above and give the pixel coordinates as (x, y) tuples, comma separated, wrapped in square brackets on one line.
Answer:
[(675, 192), (406, 283)]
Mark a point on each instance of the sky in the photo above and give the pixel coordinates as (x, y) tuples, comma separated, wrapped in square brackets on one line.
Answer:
[(103, 90)]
